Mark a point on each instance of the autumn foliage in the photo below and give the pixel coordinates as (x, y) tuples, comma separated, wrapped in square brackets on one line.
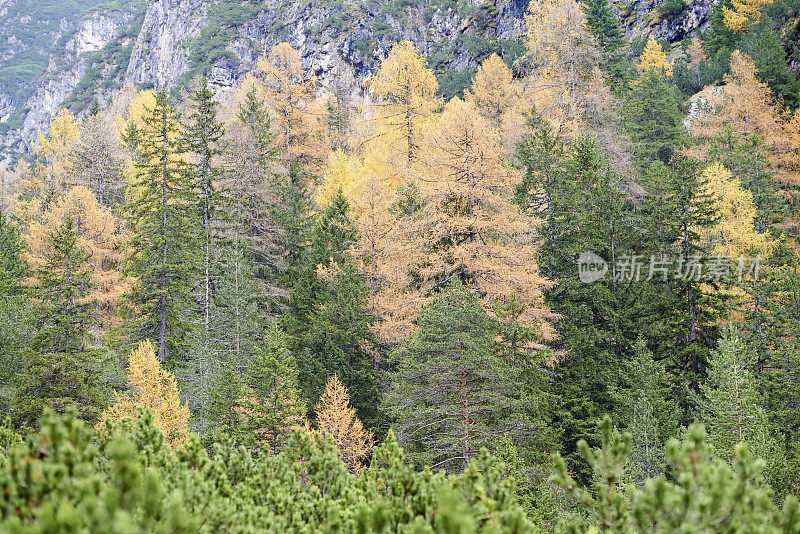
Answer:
[(338, 418), (155, 389)]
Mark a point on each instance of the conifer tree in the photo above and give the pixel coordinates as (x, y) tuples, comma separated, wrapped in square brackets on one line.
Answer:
[(62, 287), (16, 325), (12, 264), (225, 393), (457, 234), (451, 394), (683, 207), (603, 23), (163, 245), (237, 323), (155, 389), (62, 371), (653, 117), (648, 411), (730, 405), (653, 57), (202, 135), (270, 407), (563, 60), (408, 92), (338, 418), (339, 342)]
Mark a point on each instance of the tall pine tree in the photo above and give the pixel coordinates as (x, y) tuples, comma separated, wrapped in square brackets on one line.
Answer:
[(163, 244)]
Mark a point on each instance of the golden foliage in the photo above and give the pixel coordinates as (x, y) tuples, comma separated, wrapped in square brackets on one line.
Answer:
[(154, 388), (653, 57), (562, 56), (745, 104), (337, 417), (459, 223), (52, 154), (734, 234), (341, 174), (100, 233), (407, 93), (297, 117), (743, 14)]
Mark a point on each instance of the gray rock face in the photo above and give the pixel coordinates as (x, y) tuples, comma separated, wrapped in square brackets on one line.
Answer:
[(160, 53), (90, 34), (670, 20), (359, 33)]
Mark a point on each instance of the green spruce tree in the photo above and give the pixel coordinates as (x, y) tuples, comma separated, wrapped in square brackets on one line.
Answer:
[(271, 406), (451, 394), (63, 371), (161, 214)]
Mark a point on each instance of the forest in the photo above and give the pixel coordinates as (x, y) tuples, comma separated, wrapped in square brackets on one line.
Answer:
[(564, 299)]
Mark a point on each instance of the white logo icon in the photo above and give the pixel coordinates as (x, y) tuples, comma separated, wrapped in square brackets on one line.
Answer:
[(591, 267)]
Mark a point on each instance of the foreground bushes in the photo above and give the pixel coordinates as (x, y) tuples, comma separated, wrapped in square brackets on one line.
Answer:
[(67, 479)]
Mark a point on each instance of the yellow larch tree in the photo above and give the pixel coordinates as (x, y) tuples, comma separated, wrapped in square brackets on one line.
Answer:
[(100, 234), (734, 234), (653, 57), (743, 14), (746, 105), (52, 154), (153, 388), (337, 417), (465, 226), (406, 92), (561, 60), (341, 174), (298, 118)]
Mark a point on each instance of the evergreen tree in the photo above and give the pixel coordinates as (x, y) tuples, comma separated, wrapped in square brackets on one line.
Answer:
[(586, 208), (765, 48), (202, 135), (62, 371), (730, 404), (237, 325), (16, 324), (12, 265), (338, 341), (653, 117), (603, 23), (648, 411), (225, 392), (163, 247), (680, 208), (271, 406), (451, 394)]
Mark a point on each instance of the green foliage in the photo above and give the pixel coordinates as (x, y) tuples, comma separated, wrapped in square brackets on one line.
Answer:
[(452, 394), (12, 264), (130, 481), (164, 242), (653, 117), (765, 48), (62, 288), (271, 402), (705, 494)]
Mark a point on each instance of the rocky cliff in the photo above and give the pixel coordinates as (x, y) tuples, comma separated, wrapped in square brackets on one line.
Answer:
[(164, 43)]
